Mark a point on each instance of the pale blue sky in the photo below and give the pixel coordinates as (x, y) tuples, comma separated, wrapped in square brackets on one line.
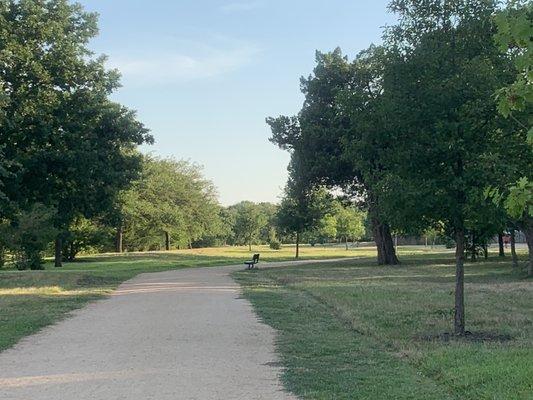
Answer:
[(204, 74)]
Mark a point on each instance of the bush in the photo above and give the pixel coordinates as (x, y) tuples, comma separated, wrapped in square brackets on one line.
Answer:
[(28, 235), (86, 236), (275, 245), (449, 243)]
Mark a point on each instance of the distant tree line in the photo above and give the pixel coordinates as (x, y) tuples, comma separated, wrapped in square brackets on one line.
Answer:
[(428, 132)]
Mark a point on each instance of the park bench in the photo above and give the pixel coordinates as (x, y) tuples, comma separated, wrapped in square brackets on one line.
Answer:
[(251, 264)]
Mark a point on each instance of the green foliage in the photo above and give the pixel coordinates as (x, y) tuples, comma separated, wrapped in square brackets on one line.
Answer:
[(432, 234), (27, 236), (443, 72), (341, 138), (4, 201), (518, 200), (350, 223), (275, 244), (302, 208), (86, 236), (515, 31), (249, 221), (324, 231), (514, 36), (68, 146), (170, 197)]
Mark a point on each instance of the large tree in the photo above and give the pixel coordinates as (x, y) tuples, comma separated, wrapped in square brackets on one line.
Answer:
[(443, 71), (70, 147), (337, 138)]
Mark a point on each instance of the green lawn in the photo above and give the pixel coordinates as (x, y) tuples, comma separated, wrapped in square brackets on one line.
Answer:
[(31, 300), (352, 330)]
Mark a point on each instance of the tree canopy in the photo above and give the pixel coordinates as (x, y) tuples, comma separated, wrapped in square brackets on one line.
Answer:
[(69, 146), (171, 204)]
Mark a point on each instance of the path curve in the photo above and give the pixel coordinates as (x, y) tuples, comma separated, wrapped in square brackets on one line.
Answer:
[(181, 335)]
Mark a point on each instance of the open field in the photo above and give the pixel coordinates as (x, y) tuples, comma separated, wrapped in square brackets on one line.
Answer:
[(30, 300), (350, 329)]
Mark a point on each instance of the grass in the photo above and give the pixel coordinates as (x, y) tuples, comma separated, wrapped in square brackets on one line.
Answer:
[(352, 330), (31, 300)]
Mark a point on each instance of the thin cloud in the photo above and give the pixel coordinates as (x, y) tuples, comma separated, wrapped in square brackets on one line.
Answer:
[(241, 6), (172, 68)]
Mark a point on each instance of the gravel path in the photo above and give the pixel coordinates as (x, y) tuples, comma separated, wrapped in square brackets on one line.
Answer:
[(182, 334)]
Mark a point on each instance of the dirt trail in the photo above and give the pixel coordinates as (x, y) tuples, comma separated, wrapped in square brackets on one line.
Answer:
[(182, 334)]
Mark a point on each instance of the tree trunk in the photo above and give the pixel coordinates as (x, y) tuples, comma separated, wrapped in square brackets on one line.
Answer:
[(528, 231), (119, 239), (58, 252), (500, 245), (384, 243), (459, 318), (346, 240), (513, 249), (297, 245), (167, 241), (249, 246)]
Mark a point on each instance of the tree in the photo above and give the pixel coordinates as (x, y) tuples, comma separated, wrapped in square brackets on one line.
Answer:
[(443, 72), (170, 204), (350, 224), (70, 148), (337, 138), (28, 235), (248, 223), (227, 225), (325, 229), (301, 209), (85, 235), (269, 211)]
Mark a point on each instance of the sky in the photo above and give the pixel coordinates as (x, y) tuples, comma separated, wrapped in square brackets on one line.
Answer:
[(204, 74)]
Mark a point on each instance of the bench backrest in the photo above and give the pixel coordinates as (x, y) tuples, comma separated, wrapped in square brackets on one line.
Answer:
[(256, 258)]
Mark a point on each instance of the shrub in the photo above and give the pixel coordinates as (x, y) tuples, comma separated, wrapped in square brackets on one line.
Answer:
[(275, 245), (28, 235)]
